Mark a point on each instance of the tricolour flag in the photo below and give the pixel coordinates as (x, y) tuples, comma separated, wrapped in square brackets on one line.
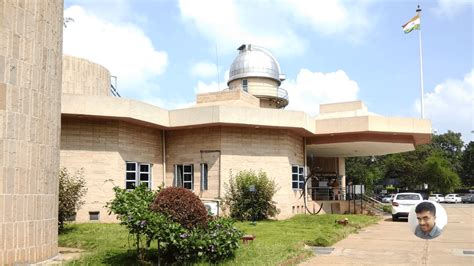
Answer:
[(413, 24)]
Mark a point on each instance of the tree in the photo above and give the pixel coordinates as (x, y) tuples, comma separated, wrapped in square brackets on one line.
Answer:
[(72, 189), (450, 145), (439, 175), (467, 164), (365, 170), (249, 196)]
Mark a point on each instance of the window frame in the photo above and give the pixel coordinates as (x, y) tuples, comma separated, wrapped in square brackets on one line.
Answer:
[(137, 174), (182, 182), (297, 177), (204, 177), (245, 85)]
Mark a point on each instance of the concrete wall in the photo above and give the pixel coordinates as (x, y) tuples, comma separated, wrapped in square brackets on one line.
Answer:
[(234, 149), (81, 76), (101, 149), (273, 151), (228, 97), (195, 146), (30, 89)]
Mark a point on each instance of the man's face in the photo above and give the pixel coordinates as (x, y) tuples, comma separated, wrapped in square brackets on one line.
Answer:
[(426, 220)]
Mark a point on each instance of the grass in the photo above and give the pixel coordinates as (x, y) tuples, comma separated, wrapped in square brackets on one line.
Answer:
[(276, 242)]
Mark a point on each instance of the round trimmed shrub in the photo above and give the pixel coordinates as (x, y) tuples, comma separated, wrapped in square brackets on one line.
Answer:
[(182, 206)]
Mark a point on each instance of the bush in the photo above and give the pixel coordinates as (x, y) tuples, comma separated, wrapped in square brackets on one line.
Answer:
[(72, 188), (132, 208), (182, 206), (155, 216), (215, 243), (246, 205)]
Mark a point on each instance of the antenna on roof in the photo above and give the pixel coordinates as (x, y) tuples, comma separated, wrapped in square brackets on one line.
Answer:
[(217, 67)]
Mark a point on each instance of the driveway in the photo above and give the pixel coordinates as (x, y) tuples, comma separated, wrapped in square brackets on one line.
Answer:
[(393, 243)]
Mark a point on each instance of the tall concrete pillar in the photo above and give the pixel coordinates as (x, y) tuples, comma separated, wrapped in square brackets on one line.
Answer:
[(342, 174), (30, 115)]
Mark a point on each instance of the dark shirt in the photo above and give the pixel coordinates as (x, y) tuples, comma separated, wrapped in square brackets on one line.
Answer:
[(435, 232)]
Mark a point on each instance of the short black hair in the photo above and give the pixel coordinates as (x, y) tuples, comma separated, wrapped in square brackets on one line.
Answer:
[(426, 206)]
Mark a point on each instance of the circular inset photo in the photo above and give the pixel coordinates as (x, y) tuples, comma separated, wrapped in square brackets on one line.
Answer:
[(427, 219)]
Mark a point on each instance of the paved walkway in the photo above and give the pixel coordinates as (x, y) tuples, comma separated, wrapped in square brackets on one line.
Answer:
[(393, 243)]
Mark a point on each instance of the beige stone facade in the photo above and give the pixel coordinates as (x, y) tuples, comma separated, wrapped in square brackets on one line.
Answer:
[(226, 132), (30, 95), (101, 149), (84, 77)]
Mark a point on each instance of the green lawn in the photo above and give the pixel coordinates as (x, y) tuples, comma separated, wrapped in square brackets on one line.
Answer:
[(276, 242)]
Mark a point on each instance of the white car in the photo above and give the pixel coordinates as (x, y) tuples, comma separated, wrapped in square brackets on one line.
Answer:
[(436, 197), (452, 198), (388, 198), (403, 202)]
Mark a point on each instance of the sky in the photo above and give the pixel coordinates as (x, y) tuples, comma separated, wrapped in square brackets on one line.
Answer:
[(164, 52)]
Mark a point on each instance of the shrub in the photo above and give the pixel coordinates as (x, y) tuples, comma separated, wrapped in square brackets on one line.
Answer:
[(132, 208), (182, 206), (217, 242), (72, 188), (246, 205)]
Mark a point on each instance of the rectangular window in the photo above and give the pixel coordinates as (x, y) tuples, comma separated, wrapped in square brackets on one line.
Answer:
[(297, 177), (245, 85), (94, 216), (204, 181), (136, 174), (184, 176)]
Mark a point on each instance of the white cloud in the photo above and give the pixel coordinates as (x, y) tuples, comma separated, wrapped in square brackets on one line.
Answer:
[(313, 88), (204, 70), (203, 87), (450, 8), (274, 25), (450, 106), (121, 47)]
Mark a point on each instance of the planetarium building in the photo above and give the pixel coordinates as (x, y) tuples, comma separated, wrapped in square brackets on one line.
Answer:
[(123, 142)]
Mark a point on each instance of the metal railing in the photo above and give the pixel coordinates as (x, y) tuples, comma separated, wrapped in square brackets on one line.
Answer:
[(326, 193)]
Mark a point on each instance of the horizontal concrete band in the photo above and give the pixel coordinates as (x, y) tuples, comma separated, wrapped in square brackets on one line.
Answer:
[(130, 110)]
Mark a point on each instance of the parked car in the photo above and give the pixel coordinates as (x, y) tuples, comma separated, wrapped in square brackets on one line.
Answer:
[(452, 198), (436, 197), (388, 198), (403, 202), (468, 198)]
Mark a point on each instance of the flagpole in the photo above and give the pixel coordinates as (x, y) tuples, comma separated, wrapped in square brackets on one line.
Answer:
[(418, 10)]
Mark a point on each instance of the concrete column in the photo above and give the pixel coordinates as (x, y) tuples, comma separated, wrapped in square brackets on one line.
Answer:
[(342, 173), (30, 116)]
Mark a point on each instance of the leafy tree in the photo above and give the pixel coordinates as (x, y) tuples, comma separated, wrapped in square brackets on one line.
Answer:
[(365, 170), (439, 175), (72, 189), (451, 145), (132, 208), (245, 204), (467, 164)]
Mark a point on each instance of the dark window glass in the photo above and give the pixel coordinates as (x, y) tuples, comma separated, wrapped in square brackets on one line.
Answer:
[(187, 185), (131, 167), (187, 168), (187, 177), (130, 185), (144, 177), (294, 169), (144, 168), (94, 216), (131, 176), (204, 173), (294, 177), (294, 185)]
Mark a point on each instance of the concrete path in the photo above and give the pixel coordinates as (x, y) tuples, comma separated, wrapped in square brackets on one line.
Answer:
[(393, 243)]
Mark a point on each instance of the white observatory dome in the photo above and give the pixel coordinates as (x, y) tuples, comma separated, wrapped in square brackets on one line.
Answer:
[(254, 61)]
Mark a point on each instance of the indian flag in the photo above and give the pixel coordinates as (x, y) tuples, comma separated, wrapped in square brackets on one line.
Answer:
[(413, 24)]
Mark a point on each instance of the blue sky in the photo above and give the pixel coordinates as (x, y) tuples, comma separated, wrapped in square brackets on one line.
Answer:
[(164, 52)]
